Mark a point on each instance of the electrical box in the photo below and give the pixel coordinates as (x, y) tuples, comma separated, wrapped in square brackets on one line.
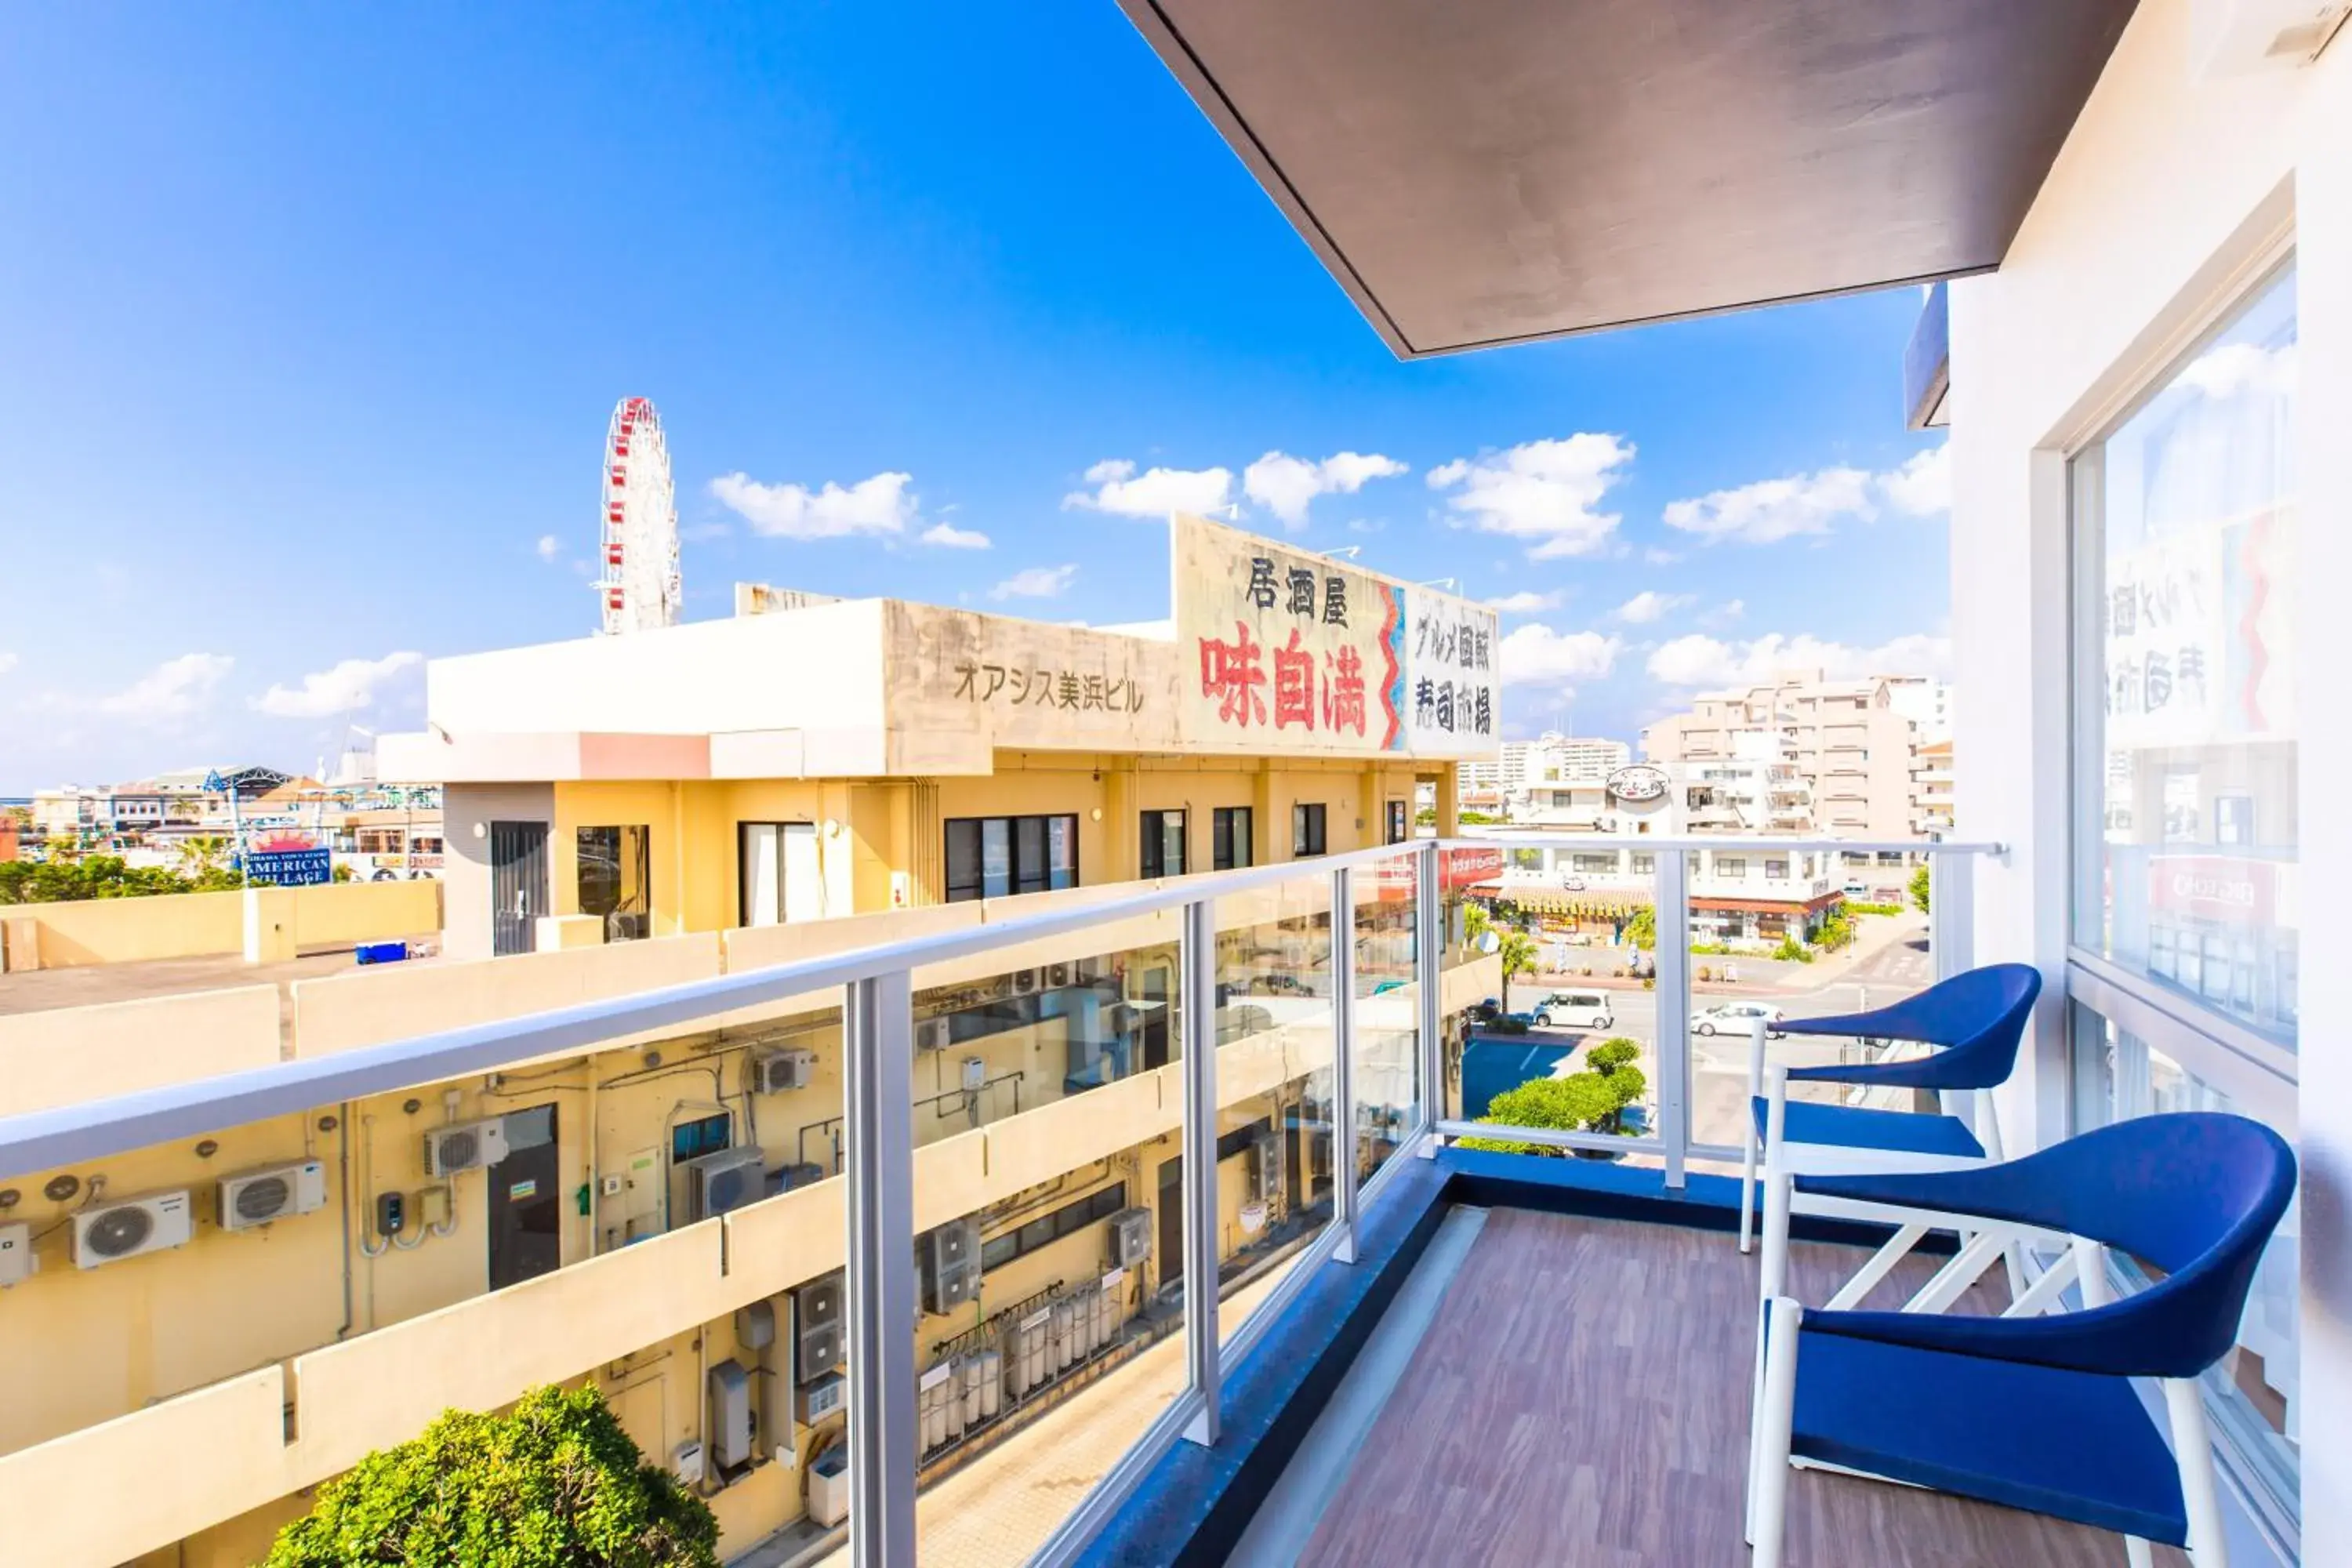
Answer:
[(755, 1326), (434, 1206), (391, 1214), (821, 1398), (17, 1261), (731, 1436), (109, 1233), (1130, 1237), (950, 1259), (975, 1075), (687, 1462), (254, 1198), (778, 1071)]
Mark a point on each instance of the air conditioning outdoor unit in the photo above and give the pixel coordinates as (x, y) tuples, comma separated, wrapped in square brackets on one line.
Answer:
[(468, 1146), (1024, 982), (726, 1180), (1130, 1237), (816, 1328), (15, 1253), (110, 1233), (1057, 976), (822, 1398), (950, 1262), (781, 1070), (931, 1034), (253, 1199), (1265, 1166)]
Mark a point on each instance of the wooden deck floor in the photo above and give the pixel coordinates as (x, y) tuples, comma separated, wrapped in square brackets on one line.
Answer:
[(1582, 1400)]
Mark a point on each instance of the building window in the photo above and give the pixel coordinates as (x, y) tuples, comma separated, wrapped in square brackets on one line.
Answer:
[(994, 856), (703, 1135), (2186, 716), (2251, 1395), (1777, 870), (616, 879), (1645, 865), (1069, 1219), (1400, 822), (1162, 844), (1230, 829), (1730, 866), (1306, 831), (1595, 865)]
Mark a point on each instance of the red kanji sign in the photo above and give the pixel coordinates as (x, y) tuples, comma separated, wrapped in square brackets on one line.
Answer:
[(1294, 686), (1232, 674)]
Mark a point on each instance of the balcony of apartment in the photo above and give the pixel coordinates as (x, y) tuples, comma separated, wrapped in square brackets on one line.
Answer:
[(284, 1347)]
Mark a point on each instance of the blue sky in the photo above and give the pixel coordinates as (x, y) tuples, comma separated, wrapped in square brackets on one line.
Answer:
[(312, 318)]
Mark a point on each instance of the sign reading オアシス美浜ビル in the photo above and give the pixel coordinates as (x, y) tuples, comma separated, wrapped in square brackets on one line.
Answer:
[(1278, 644)]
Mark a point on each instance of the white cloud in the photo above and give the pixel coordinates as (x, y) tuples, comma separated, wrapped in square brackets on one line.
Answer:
[(1545, 492), (548, 547), (947, 536), (1773, 509), (1535, 655), (1657, 557), (1154, 493), (1526, 602), (173, 690), (1366, 524), (2227, 369), (1649, 606), (1702, 660), (1921, 486), (880, 506), (1285, 485), (1035, 583), (345, 688), (1723, 615)]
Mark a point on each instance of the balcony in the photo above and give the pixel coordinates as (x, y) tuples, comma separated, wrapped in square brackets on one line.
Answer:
[(1071, 1112)]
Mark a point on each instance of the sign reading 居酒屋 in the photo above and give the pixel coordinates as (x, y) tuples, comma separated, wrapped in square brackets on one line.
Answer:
[(1276, 644)]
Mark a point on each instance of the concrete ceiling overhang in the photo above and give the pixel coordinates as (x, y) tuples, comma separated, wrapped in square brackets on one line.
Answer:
[(1485, 172)]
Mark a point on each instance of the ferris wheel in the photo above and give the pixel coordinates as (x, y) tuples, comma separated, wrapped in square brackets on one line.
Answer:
[(639, 588)]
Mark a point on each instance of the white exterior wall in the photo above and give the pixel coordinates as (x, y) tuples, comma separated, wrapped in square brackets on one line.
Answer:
[(2165, 205)]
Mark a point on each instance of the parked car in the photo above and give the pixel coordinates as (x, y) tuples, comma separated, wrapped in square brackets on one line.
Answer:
[(1736, 1018), (1856, 890), (1510, 1023), (1574, 1010), (1485, 1010)]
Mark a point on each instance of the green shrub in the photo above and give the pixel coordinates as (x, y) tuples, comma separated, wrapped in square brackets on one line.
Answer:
[(1791, 950), (554, 1483), (1580, 1102), (1856, 907)]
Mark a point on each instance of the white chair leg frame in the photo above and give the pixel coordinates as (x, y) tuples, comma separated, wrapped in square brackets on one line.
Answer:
[(1770, 1461)]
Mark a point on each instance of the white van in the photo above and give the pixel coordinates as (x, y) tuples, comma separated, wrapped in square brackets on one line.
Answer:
[(1574, 1010)]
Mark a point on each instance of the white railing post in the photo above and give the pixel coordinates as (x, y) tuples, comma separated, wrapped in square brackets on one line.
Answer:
[(1197, 995), (1951, 912), (1428, 976), (1672, 891), (883, 1436), (1343, 1062)]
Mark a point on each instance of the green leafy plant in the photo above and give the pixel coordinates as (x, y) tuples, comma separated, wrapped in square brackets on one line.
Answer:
[(1641, 931), (1860, 907), (553, 1483), (1517, 952), (1791, 950), (1919, 888), (1591, 1102)]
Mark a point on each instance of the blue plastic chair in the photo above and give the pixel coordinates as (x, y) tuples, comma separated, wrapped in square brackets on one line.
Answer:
[(2038, 1413), (1977, 1018)]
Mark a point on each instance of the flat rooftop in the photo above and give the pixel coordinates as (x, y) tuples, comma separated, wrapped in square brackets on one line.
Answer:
[(82, 986)]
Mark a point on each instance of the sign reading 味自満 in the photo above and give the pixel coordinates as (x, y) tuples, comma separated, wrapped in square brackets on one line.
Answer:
[(1275, 643)]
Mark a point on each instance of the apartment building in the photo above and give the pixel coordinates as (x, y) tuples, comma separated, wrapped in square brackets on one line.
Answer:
[(850, 756), (1555, 777), (1848, 739)]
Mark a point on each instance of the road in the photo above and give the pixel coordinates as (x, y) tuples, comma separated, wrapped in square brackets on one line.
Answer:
[(1896, 969)]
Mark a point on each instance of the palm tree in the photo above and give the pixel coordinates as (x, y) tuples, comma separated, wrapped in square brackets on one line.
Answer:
[(1517, 952), (202, 853)]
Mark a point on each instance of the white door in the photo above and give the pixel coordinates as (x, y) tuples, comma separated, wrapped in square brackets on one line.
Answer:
[(762, 872), (803, 886)]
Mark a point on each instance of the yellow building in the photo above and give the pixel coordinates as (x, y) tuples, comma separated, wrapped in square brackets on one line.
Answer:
[(850, 756), (663, 1213)]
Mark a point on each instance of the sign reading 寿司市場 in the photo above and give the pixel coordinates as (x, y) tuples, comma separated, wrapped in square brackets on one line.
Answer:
[(1276, 644)]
